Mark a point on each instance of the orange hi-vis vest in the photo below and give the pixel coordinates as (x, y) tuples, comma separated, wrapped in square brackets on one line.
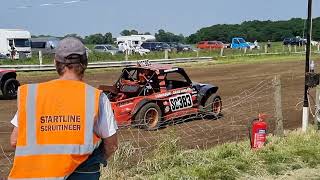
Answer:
[(55, 129)]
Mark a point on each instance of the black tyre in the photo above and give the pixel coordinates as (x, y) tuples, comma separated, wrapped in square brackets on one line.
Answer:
[(213, 106), (10, 88), (149, 117)]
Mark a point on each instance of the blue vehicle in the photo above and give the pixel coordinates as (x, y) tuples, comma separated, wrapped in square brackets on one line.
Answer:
[(239, 43)]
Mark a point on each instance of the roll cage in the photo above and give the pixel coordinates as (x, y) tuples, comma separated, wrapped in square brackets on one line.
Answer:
[(146, 79), (153, 81)]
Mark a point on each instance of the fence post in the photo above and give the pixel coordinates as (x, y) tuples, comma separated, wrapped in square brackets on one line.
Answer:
[(265, 48), (317, 111), (245, 50), (126, 55), (166, 54), (40, 58), (221, 52), (197, 53), (289, 46), (305, 48), (318, 46), (295, 48), (278, 106)]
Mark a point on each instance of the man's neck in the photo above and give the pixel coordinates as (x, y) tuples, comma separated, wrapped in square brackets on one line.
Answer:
[(70, 76)]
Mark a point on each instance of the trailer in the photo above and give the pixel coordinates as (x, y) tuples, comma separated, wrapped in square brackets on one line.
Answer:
[(15, 43)]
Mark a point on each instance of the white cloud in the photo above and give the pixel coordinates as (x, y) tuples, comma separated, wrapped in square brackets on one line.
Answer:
[(70, 2)]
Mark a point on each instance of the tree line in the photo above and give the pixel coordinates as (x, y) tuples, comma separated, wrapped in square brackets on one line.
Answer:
[(250, 30), (256, 30)]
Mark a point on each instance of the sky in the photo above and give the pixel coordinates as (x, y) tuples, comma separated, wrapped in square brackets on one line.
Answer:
[(85, 17)]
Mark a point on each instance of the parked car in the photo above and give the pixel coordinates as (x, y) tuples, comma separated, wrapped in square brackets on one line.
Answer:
[(156, 46), (106, 48), (2, 56), (210, 45), (45, 45), (314, 43), (141, 50), (147, 95), (238, 43), (226, 44), (294, 41), (179, 47), (253, 45)]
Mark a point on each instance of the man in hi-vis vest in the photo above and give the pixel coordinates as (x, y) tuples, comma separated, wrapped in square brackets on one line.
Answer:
[(64, 128)]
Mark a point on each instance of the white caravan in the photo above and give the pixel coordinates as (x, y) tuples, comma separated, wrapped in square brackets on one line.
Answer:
[(135, 40), (19, 39)]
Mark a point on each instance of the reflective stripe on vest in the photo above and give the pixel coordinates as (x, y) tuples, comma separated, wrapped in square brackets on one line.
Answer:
[(34, 151)]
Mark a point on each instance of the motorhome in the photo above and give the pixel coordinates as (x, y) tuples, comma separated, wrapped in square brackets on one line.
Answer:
[(135, 40), (17, 40)]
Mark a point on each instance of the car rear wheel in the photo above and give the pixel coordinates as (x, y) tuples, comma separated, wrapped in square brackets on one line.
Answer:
[(149, 117), (213, 106), (10, 88)]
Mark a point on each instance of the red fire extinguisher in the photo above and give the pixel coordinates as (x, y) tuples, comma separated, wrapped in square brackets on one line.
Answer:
[(258, 132)]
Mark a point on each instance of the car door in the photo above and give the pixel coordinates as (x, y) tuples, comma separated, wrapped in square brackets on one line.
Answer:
[(180, 88), (235, 43)]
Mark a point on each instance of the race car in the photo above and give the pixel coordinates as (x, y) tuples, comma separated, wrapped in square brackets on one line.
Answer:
[(148, 95), (8, 83)]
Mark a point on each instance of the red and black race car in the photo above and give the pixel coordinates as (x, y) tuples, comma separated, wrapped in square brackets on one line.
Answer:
[(8, 83), (148, 95)]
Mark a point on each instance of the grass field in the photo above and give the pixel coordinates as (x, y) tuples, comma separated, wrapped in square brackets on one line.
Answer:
[(216, 53), (296, 153)]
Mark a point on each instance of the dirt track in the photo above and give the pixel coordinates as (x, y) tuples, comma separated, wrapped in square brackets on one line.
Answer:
[(232, 80)]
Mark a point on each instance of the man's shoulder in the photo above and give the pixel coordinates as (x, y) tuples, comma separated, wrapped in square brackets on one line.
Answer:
[(103, 98)]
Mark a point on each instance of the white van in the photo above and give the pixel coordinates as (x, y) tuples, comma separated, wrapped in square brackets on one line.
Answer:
[(19, 39)]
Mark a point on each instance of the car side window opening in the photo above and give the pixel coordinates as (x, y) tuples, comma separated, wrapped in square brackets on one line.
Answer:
[(176, 80), (130, 75), (241, 41), (145, 79)]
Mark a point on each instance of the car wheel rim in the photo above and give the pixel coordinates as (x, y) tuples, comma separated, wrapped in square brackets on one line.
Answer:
[(216, 107), (12, 89), (151, 117)]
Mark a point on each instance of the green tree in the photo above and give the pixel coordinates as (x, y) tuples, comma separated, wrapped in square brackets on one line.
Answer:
[(256, 30), (134, 32), (75, 36), (95, 39), (108, 38), (125, 33), (163, 36)]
